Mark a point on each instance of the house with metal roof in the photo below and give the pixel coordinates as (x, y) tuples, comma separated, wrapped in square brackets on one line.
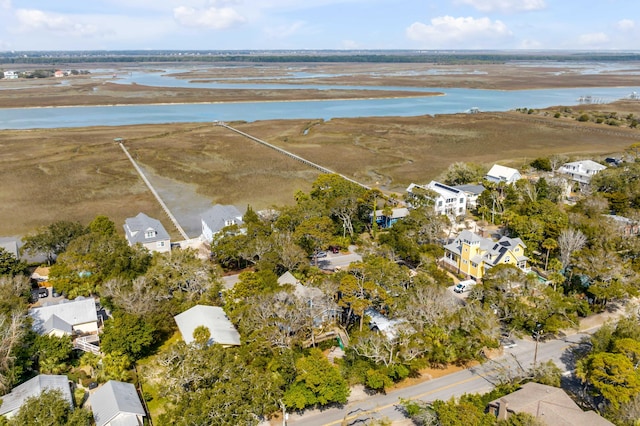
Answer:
[(117, 404), (148, 232), (472, 192), (500, 173), (473, 255), (547, 403), (34, 387), (581, 171), (78, 316), (213, 318), (446, 199), (10, 246), (217, 217), (386, 219)]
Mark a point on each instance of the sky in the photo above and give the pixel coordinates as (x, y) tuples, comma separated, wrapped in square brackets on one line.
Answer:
[(27, 25)]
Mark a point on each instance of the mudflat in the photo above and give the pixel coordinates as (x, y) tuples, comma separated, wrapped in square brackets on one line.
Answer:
[(76, 174)]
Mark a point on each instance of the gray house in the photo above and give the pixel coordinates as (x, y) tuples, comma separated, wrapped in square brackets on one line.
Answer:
[(12, 401), (147, 231), (217, 217), (117, 404)]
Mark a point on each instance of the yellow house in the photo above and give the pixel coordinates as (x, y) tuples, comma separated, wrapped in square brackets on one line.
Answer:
[(473, 255)]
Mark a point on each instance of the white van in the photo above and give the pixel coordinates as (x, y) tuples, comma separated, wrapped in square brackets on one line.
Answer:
[(463, 286)]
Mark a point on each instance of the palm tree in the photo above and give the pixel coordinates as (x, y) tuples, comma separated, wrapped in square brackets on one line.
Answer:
[(549, 244)]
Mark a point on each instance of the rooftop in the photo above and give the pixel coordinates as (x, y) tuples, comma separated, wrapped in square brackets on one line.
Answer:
[(116, 399), (212, 317)]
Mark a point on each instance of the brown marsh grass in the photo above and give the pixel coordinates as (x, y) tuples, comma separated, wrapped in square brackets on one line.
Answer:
[(76, 174)]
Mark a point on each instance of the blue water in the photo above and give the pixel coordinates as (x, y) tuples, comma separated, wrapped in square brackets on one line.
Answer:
[(453, 101)]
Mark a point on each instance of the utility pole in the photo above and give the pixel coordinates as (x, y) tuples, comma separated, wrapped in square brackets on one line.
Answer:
[(535, 352)]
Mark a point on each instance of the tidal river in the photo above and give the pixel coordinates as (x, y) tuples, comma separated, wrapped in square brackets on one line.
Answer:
[(455, 100)]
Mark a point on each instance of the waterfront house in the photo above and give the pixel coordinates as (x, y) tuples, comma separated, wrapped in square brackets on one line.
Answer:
[(11, 246), (472, 192), (473, 255), (217, 217), (446, 199), (11, 75), (147, 232), (386, 219), (504, 174), (581, 171)]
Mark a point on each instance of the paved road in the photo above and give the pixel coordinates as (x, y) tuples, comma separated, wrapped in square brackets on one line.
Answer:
[(478, 379), (338, 260)]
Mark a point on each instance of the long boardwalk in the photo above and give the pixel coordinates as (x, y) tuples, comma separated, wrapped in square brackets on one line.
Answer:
[(155, 193), (291, 155)]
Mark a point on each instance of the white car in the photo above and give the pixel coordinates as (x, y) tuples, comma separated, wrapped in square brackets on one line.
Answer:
[(463, 286)]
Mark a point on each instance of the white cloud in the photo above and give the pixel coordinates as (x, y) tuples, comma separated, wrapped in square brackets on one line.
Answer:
[(504, 5), (284, 31), (625, 24), (450, 32), (213, 17), (32, 19), (593, 39)]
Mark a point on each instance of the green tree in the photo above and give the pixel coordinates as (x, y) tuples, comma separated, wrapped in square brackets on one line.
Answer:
[(314, 234), (317, 382), (129, 334), (541, 163), (53, 353), (53, 239), (358, 294), (115, 365), (9, 265), (49, 408), (460, 173), (343, 198), (612, 375)]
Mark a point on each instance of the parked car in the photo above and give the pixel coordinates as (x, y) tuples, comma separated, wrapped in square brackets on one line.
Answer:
[(320, 255), (334, 249), (43, 292), (508, 343), (463, 286)]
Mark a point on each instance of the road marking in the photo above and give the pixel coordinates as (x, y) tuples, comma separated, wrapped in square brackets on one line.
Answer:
[(384, 407), (475, 376)]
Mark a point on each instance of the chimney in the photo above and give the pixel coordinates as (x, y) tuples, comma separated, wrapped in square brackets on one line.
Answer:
[(502, 409)]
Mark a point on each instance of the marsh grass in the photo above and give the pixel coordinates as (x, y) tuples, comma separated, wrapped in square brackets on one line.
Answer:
[(76, 174)]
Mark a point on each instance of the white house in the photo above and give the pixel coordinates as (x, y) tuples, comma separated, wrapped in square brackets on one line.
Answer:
[(10, 75), (213, 318), (78, 316), (15, 399), (448, 200), (472, 192), (500, 173), (581, 171), (117, 404), (217, 217), (148, 232)]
